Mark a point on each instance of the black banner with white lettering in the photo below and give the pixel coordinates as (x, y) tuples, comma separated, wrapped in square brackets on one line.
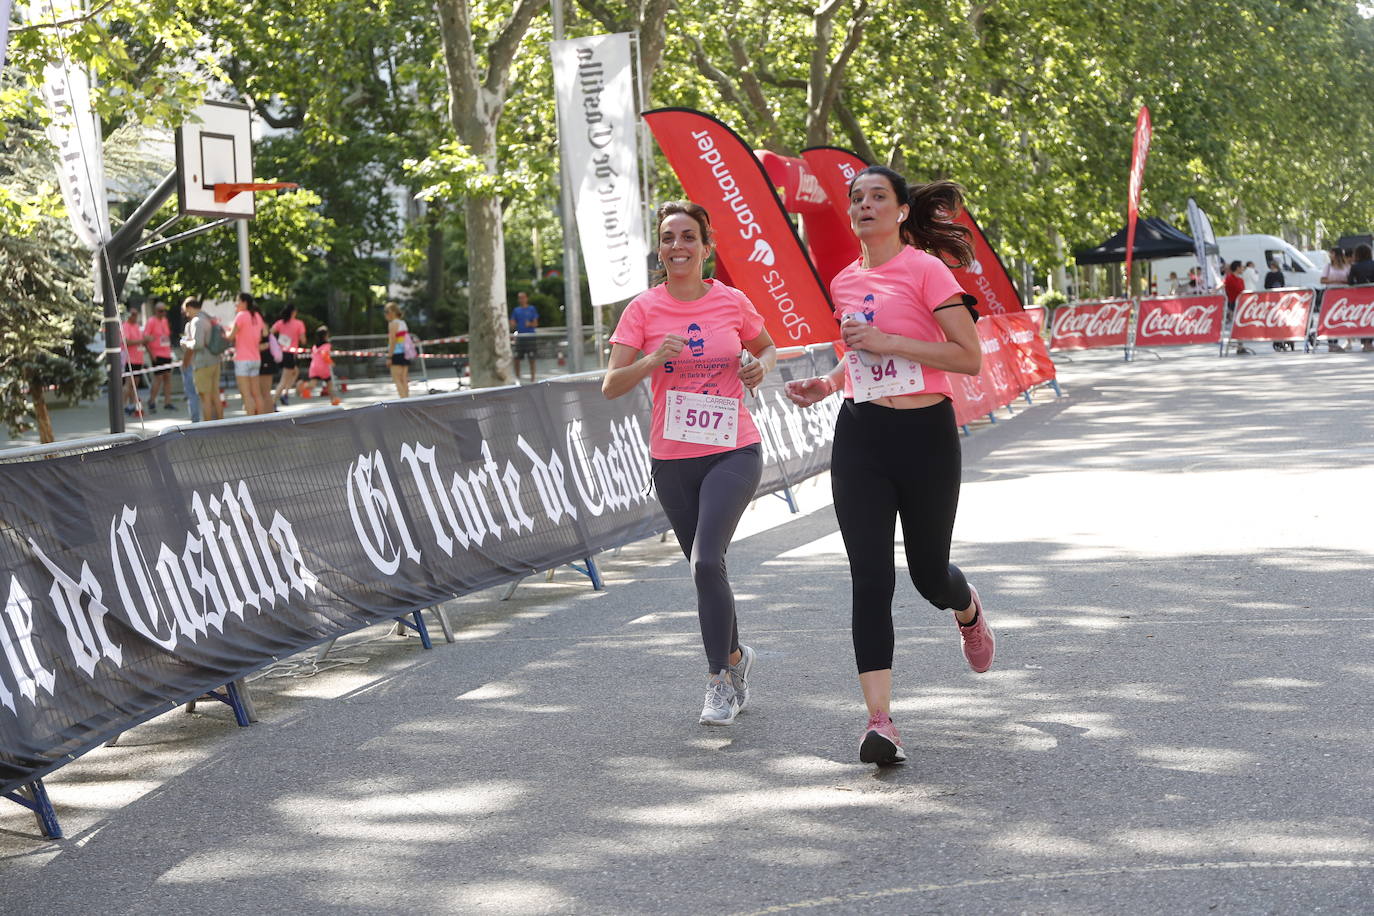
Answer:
[(137, 578)]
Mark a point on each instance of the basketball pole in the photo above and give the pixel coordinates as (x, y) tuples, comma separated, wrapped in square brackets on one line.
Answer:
[(245, 274)]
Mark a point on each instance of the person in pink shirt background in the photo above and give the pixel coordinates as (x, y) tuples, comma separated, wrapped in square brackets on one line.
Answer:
[(157, 333), (290, 332), (896, 451), (134, 349), (687, 336), (322, 365), (248, 335)]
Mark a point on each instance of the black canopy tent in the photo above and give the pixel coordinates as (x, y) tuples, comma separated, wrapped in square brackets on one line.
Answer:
[(1350, 242), (1154, 238)]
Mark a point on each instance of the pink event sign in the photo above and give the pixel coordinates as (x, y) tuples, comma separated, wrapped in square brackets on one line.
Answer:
[(1274, 314), (1180, 320), (1084, 325), (1347, 312)]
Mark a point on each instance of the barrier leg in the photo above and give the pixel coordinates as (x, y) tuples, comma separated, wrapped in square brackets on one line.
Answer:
[(787, 497), (1054, 383), (510, 590), (591, 572), (37, 801), (324, 648), (991, 417), (965, 429), (444, 625), (1027, 395), (417, 623), (233, 697)]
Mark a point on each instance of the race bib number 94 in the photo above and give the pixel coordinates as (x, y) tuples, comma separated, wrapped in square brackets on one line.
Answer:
[(889, 376), (703, 419)]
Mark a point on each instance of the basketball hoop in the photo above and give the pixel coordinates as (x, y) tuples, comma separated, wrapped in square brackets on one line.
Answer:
[(227, 191)]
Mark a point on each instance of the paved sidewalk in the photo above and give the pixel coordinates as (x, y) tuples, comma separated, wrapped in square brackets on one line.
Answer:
[(1177, 559)]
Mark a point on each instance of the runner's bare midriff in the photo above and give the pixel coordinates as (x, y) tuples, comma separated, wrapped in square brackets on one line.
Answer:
[(908, 401)]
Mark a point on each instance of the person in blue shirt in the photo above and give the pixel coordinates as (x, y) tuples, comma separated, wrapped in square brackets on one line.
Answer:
[(524, 318)]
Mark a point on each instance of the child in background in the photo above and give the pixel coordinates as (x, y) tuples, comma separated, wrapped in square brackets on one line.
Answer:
[(322, 364)]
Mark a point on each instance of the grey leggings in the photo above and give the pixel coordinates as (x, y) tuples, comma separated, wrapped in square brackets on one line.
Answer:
[(704, 499)]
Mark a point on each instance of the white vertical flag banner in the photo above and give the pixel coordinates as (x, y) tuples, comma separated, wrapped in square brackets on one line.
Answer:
[(73, 130), (4, 30), (594, 83), (1205, 243)]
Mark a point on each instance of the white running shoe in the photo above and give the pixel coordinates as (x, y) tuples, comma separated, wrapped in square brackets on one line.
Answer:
[(722, 703), (739, 674)]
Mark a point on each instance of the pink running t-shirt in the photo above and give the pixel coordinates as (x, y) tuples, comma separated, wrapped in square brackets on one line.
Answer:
[(320, 360), (715, 326), (158, 333), (293, 330), (247, 335), (899, 297)]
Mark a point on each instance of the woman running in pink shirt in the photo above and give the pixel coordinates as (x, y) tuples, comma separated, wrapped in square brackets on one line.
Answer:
[(686, 335), (906, 324)]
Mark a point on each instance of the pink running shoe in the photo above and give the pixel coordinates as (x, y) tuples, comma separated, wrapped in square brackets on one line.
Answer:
[(979, 644), (881, 744)]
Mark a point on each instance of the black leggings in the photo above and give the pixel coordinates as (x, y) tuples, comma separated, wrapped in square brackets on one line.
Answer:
[(887, 463), (704, 499)]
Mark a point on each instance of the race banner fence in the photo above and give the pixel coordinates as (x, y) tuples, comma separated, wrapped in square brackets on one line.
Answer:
[(1015, 360), (137, 578), (1272, 314), (1088, 325), (1346, 312), (1178, 320)]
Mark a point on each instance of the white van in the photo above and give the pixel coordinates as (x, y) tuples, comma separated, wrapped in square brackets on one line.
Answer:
[(1298, 269)]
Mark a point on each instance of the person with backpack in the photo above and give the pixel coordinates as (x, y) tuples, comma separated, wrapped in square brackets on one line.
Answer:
[(199, 341)]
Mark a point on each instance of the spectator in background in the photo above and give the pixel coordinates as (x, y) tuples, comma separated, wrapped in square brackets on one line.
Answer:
[(1171, 284), (1194, 281), (157, 334), (132, 346), (1337, 273), (322, 364), (199, 367), (247, 334), (290, 332), (524, 318), (1234, 284), (1251, 275), (1274, 280), (396, 334), (1362, 271)]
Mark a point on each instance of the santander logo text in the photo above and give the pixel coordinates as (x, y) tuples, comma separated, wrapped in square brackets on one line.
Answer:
[(1194, 321)]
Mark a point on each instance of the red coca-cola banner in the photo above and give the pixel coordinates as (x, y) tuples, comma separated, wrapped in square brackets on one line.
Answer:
[(1085, 325), (1168, 321), (1347, 312), (986, 278), (754, 238), (1273, 314)]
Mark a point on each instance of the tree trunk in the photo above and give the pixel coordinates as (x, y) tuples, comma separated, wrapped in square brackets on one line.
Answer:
[(434, 260), (489, 352), (40, 409)]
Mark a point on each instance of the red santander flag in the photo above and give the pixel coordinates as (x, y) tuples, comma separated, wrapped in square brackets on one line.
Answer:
[(986, 278), (755, 241), (1140, 150)]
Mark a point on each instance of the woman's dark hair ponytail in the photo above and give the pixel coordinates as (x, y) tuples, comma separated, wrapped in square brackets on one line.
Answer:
[(930, 219)]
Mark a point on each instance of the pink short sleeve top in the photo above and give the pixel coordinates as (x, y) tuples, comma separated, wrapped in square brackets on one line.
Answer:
[(715, 327), (247, 334), (158, 333), (899, 297)]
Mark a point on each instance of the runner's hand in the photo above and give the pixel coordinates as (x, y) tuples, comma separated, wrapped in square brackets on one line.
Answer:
[(807, 391), (672, 345), (751, 373), (860, 336)]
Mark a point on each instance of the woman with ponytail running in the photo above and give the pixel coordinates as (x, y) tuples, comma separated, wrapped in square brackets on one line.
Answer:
[(906, 324), (687, 335)]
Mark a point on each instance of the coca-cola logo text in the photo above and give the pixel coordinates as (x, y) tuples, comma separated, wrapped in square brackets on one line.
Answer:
[(1342, 313), (1095, 321), (1193, 321), (1290, 311)]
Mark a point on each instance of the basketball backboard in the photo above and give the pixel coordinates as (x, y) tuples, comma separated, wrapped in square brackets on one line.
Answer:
[(215, 146)]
